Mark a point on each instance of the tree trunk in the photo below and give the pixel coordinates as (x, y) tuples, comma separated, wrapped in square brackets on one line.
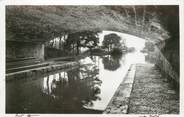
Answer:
[(135, 15), (60, 42), (77, 47), (90, 49)]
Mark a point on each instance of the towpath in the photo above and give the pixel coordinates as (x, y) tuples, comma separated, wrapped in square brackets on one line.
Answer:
[(150, 93)]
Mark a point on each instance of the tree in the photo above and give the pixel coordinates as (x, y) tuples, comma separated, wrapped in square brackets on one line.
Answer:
[(149, 46), (111, 41), (72, 42), (87, 39)]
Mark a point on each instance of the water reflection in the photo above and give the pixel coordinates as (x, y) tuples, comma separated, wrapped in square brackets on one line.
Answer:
[(70, 91), (78, 86), (112, 63), (81, 89)]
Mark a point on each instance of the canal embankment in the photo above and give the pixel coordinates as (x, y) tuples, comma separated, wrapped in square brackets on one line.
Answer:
[(20, 69), (43, 68), (120, 101)]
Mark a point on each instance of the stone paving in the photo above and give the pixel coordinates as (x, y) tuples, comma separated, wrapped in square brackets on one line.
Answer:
[(144, 91), (152, 93)]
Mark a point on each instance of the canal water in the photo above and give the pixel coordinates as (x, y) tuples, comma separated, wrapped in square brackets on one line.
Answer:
[(86, 88)]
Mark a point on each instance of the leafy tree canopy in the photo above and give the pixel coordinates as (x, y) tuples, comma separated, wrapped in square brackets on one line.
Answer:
[(111, 39), (88, 39)]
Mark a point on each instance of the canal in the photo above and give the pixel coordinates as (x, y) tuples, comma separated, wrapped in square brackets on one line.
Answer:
[(86, 88)]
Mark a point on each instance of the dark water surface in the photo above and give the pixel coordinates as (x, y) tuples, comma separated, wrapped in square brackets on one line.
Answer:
[(87, 88)]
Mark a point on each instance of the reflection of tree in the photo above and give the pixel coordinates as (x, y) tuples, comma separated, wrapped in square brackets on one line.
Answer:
[(111, 63), (89, 84), (81, 89)]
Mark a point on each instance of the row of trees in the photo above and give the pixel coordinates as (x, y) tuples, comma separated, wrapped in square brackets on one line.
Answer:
[(73, 42), (77, 40)]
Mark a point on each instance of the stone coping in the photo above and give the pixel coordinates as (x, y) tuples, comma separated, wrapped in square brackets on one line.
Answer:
[(40, 70), (120, 100)]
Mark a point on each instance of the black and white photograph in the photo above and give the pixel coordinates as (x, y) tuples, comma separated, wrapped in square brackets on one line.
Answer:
[(92, 59)]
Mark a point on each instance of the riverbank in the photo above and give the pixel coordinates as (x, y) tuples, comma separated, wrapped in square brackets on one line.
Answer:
[(50, 65)]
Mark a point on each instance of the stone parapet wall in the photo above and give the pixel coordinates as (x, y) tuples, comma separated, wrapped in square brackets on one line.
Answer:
[(165, 65)]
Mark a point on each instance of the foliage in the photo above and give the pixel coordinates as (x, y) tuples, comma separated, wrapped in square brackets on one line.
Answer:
[(149, 46), (111, 41), (116, 51), (87, 39), (41, 23)]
